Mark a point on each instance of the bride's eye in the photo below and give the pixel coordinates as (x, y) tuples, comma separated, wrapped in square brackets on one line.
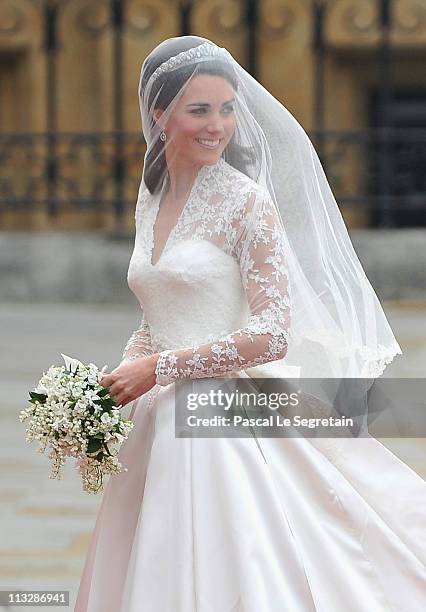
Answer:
[(199, 111)]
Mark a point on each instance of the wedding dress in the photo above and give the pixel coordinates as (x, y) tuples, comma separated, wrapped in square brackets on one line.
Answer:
[(216, 524)]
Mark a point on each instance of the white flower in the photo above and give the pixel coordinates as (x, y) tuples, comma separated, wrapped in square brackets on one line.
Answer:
[(91, 395), (70, 363), (79, 408), (59, 423), (41, 389), (55, 407), (115, 415), (67, 399), (105, 418)]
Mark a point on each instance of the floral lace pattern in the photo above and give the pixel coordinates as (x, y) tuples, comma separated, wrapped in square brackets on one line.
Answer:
[(139, 344), (239, 217)]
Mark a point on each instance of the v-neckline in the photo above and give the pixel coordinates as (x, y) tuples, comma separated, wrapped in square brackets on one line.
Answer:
[(197, 180)]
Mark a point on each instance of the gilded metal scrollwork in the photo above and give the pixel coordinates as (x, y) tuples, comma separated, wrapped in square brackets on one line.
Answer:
[(11, 19), (277, 18)]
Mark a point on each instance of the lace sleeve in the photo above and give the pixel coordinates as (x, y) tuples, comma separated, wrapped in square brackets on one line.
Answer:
[(261, 257), (139, 343)]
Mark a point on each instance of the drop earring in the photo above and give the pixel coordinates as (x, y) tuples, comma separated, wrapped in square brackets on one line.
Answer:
[(163, 135)]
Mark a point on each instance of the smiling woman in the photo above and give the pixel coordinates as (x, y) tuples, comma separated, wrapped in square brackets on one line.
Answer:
[(198, 131), (193, 112), (196, 135), (243, 267)]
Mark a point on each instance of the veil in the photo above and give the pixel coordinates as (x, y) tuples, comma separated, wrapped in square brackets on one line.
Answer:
[(338, 327)]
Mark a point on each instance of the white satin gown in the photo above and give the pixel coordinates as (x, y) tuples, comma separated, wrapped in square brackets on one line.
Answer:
[(213, 524)]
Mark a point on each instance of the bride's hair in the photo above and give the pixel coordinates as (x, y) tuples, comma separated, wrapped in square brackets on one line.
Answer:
[(166, 87)]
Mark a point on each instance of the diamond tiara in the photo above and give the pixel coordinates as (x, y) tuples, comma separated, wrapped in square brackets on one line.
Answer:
[(204, 50)]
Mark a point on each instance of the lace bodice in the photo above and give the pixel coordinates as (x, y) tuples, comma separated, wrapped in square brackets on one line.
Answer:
[(217, 300)]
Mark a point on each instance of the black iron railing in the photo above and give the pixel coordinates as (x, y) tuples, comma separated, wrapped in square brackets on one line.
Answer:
[(85, 172), (380, 169), (76, 170)]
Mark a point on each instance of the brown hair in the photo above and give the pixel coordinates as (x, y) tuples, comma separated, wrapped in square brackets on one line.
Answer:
[(166, 87)]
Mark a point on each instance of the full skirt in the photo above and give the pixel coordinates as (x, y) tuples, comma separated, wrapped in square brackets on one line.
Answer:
[(216, 525)]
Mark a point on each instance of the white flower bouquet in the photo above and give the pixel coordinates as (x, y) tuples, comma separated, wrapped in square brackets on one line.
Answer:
[(74, 415)]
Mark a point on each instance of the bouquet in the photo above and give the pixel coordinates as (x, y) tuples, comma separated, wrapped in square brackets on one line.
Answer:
[(74, 415)]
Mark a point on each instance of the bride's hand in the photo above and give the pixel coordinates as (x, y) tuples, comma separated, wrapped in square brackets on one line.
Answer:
[(131, 379)]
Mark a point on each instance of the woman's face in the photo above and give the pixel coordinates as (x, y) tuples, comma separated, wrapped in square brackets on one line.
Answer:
[(202, 122)]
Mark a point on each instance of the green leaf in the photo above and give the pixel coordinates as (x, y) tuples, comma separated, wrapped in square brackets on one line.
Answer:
[(41, 397), (105, 402), (107, 450), (94, 445)]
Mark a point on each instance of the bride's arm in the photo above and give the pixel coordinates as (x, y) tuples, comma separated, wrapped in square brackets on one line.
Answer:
[(261, 256), (139, 343)]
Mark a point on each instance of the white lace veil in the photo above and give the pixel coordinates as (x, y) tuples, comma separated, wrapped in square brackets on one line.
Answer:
[(338, 327)]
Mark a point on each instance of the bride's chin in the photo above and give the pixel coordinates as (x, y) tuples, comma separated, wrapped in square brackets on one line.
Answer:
[(210, 160), (210, 154)]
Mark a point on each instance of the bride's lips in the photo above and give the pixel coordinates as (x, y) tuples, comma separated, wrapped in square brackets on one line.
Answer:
[(204, 142)]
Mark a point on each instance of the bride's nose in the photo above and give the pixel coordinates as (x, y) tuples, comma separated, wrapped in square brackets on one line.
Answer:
[(215, 125)]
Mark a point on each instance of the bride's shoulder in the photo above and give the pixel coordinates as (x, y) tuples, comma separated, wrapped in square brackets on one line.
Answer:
[(242, 189), (240, 181), (144, 196), (144, 192)]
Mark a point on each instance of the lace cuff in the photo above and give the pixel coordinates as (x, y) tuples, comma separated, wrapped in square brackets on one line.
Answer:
[(139, 344), (248, 347), (164, 369)]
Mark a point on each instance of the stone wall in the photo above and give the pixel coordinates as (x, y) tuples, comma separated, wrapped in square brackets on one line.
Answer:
[(91, 267)]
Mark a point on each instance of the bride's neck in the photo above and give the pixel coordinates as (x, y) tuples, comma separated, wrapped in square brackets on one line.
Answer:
[(180, 180)]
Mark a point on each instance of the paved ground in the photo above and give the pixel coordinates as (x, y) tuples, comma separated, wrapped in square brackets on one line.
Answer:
[(46, 524)]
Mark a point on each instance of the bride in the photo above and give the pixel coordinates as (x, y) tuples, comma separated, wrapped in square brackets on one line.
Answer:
[(243, 268)]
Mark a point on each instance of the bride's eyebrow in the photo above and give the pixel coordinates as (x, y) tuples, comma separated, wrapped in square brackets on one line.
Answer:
[(205, 104)]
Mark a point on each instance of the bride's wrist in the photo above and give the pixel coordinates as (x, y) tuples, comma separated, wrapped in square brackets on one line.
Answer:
[(153, 360)]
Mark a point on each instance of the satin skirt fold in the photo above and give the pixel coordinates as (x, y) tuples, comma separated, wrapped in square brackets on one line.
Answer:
[(216, 525)]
